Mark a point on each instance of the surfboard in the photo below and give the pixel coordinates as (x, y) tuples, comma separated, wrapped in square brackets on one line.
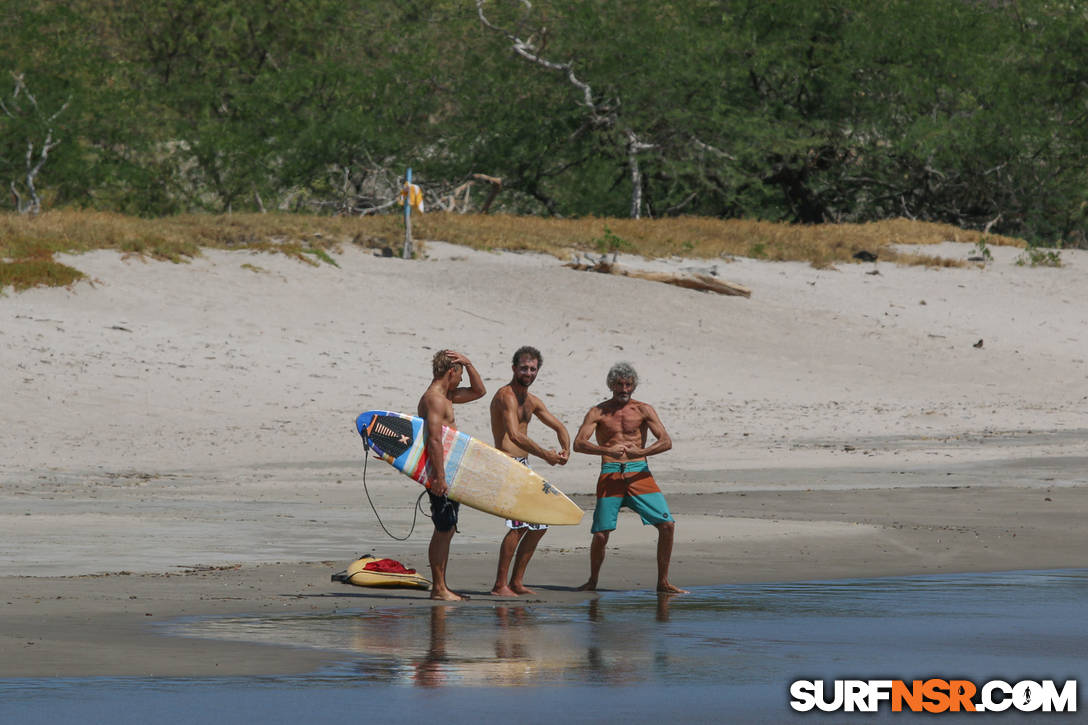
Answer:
[(358, 574), (478, 475)]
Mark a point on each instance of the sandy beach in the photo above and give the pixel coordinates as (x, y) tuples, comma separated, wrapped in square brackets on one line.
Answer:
[(178, 439)]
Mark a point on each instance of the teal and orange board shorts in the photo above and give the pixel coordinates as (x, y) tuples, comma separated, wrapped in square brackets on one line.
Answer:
[(631, 485)]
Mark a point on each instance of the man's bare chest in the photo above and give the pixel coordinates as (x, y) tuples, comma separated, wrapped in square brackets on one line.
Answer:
[(524, 414), (621, 424)]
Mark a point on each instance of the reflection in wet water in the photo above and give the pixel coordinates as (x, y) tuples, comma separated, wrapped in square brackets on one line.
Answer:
[(720, 654), (502, 645), (737, 634)]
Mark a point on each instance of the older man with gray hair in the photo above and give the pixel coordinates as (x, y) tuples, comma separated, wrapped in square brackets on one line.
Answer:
[(620, 426)]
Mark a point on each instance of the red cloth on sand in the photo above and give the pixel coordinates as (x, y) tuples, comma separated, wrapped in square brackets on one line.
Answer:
[(388, 566)]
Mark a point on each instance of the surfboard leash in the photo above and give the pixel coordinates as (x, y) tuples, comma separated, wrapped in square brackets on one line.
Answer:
[(415, 509)]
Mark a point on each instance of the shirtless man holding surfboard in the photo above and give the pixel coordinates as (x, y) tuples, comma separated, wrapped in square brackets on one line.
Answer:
[(620, 426), (511, 410), (436, 410)]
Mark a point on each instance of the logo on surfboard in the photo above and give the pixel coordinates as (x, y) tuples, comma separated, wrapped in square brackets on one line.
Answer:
[(390, 435)]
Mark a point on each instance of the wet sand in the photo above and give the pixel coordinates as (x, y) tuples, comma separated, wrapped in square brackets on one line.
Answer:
[(107, 624)]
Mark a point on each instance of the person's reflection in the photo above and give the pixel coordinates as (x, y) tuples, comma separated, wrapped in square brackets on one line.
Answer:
[(662, 663), (594, 612), (430, 672), (663, 599), (594, 656), (608, 651), (509, 644)]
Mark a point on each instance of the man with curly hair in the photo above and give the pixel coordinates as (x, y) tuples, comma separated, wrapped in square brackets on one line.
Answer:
[(620, 426)]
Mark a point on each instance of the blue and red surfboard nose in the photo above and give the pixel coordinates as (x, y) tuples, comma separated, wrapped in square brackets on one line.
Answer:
[(362, 423), (388, 434)]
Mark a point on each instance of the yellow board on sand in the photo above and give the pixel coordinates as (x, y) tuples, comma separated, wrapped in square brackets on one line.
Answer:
[(360, 576)]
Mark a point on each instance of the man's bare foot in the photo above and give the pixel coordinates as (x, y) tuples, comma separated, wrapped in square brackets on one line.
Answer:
[(589, 586), (520, 589), (666, 588), (447, 596), (501, 590)]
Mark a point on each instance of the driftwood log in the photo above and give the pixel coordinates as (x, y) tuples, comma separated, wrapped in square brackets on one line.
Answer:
[(703, 282)]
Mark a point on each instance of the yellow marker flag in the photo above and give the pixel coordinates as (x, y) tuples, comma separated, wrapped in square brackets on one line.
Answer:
[(414, 196)]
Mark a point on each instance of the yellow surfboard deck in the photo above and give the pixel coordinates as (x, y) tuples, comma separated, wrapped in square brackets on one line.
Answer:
[(478, 475)]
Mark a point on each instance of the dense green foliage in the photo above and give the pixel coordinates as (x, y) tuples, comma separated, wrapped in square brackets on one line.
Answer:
[(958, 111)]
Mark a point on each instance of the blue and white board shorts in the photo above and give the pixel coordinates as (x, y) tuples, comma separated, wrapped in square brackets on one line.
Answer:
[(511, 523)]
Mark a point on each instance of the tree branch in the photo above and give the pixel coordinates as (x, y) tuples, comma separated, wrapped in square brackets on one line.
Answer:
[(32, 164), (601, 113)]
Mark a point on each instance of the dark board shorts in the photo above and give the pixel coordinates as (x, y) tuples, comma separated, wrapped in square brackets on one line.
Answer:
[(443, 512)]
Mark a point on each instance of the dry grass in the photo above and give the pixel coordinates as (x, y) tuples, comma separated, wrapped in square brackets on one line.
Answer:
[(25, 273), (700, 237), (27, 244)]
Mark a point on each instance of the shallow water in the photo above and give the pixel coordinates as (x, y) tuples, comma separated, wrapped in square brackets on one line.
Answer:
[(719, 654)]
